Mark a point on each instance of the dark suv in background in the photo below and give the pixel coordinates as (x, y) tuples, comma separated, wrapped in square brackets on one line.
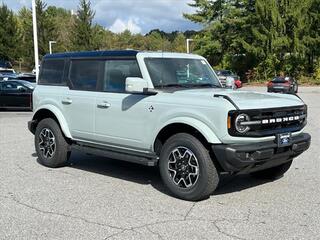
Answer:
[(283, 85)]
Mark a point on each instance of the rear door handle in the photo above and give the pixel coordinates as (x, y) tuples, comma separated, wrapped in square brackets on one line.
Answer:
[(66, 101), (104, 104)]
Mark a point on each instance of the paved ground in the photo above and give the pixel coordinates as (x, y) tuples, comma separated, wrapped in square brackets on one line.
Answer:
[(98, 198)]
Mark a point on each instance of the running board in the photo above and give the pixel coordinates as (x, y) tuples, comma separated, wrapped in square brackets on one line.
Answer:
[(147, 159)]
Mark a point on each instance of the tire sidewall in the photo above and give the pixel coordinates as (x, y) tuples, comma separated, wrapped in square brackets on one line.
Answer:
[(55, 160), (201, 154)]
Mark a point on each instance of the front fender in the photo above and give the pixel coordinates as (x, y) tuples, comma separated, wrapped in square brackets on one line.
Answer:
[(56, 111), (204, 129)]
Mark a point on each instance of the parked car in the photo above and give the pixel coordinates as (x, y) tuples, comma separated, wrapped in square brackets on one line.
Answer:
[(6, 68), (22, 76), (16, 94), (283, 85), (166, 110), (29, 77), (223, 74)]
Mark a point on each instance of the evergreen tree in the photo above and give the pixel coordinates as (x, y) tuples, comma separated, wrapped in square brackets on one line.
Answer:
[(45, 28), (82, 30), (8, 34), (25, 46)]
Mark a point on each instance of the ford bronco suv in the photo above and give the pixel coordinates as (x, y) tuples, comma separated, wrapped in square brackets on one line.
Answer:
[(166, 110)]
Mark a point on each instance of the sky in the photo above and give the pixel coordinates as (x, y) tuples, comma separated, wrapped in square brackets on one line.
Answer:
[(138, 16)]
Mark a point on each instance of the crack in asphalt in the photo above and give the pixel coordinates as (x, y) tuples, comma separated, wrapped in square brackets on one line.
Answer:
[(215, 223), (155, 233), (60, 214), (187, 214), (147, 225)]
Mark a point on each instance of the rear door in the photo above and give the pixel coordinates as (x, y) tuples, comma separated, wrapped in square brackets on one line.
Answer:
[(78, 101)]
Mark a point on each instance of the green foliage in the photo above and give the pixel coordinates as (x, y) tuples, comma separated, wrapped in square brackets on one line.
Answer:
[(25, 46), (317, 74), (8, 34), (73, 33), (82, 30), (258, 37), (255, 38)]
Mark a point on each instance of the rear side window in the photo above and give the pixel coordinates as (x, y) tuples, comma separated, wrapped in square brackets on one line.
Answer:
[(52, 72), (84, 74), (116, 72), (10, 86)]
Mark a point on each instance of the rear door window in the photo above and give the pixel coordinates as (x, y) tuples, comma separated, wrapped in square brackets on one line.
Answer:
[(52, 72), (84, 74)]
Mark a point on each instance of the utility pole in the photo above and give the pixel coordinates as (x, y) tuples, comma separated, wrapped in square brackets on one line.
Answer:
[(35, 39), (188, 44), (50, 46)]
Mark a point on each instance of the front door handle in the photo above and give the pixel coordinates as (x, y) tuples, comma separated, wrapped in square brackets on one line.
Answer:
[(104, 105), (66, 101)]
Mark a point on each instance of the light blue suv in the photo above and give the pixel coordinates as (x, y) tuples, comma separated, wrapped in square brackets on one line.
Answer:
[(166, 110)]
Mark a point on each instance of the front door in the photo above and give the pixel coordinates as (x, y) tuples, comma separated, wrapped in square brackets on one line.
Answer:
[(121, 118)]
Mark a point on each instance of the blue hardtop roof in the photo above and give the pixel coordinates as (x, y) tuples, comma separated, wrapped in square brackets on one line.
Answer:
[(113, 53)]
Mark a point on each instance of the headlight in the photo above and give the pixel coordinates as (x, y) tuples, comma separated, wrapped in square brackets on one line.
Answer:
[(242, 118)]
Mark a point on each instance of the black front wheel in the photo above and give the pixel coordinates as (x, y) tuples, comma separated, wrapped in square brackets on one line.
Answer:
[(186, 168), (51, 146), (274, 172)]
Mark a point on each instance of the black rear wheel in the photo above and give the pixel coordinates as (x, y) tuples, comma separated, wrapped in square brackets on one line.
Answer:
[(51, 146)]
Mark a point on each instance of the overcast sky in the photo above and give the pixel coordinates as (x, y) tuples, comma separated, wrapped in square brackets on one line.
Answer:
[(139, 16)]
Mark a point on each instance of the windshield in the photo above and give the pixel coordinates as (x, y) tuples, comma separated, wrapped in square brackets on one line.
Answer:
[(180, 72)]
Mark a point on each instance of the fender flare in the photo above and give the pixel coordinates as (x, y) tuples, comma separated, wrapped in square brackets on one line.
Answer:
[(58, 114), (203, 128)]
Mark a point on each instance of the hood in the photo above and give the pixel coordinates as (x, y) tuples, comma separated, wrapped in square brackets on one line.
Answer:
[(246, 99)]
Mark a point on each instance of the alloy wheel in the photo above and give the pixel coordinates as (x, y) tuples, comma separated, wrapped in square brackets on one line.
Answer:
[(47, 143), (183, 167)]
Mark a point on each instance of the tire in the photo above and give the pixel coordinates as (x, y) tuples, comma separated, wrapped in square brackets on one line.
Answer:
[(47, 133), (272, 173), (193, 153)]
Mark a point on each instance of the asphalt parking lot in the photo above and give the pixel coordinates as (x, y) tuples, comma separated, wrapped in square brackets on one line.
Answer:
[(99, 198)]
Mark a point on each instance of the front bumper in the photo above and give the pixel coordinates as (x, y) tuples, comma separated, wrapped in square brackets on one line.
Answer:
[(254, 157)]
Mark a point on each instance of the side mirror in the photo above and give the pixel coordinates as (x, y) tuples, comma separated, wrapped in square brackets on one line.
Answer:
[(138, 85), (22, 89), (230, 82)]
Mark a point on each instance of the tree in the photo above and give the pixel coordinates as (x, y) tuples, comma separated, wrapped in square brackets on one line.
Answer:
[(25, 46), (63, 22), (8, 34), (265, 37), (82, 30), (45, 26)]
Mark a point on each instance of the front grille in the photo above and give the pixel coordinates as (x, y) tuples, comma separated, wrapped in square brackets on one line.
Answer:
[(268, 122)]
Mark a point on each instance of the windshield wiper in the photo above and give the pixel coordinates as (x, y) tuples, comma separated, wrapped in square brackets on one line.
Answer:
[(174, 85), (206, 85), (177, 85)]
